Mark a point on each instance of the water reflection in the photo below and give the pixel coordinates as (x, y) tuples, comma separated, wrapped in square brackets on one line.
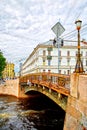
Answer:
[(30, 114)]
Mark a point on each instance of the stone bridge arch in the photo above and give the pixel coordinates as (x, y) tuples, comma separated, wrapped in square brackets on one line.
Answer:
[(59, 99)]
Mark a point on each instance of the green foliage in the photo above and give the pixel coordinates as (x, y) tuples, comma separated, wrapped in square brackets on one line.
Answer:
[(2, 63)]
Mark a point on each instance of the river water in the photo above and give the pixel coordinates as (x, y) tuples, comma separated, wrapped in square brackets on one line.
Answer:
[(35, 113)]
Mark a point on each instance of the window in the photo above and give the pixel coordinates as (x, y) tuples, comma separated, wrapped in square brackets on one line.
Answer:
[(82, 53), (68, 53), (86, 53), (44, 53), (43, 70), (49, 71), (49, 62), (86, 62), (68, 71), (68, 61), (43, 61), (76, 53), (49, 52), (60, 71)]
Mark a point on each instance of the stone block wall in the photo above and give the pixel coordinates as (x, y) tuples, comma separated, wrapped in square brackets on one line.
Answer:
[(11, 87), (76, 112)]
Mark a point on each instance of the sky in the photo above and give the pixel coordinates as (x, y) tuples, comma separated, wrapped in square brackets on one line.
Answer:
[(26, 23)]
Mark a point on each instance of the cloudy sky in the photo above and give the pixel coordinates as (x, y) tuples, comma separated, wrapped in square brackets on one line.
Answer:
[(26, 23)]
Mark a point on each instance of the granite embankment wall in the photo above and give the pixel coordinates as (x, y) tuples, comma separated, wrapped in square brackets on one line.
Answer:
[(11, 87)]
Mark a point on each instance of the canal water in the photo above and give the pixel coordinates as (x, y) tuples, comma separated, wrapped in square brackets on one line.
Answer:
[(35, 113)]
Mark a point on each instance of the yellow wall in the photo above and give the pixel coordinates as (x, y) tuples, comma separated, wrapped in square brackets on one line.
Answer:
[(9, 71)]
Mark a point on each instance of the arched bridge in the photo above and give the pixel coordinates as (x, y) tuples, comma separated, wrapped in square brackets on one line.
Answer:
[(54, 86)]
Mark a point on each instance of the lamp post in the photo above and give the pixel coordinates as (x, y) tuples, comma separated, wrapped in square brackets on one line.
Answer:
[(79, 64)]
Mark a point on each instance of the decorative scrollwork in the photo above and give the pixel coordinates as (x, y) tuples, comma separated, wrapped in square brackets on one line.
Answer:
[(61, 81)]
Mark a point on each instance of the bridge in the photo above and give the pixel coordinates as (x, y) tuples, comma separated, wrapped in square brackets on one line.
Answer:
[(54, 86), (69, 92)]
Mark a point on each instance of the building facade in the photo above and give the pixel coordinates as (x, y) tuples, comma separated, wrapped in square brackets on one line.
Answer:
[(8, 72), (46, 57)]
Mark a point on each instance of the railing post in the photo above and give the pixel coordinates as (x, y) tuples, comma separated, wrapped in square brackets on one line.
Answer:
[(43, 88), (49, 90), (59, 96)]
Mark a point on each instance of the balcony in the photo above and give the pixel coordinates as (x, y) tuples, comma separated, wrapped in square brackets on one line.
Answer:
[(49, 57), (49, 48)]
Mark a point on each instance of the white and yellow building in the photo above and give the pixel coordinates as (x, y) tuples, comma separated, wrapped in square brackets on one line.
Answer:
[(8, 72), (46, 57)]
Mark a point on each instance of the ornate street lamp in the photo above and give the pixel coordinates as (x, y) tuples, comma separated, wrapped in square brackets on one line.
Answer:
[(79, 64)]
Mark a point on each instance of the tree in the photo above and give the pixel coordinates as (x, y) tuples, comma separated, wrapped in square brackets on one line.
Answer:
[(2, 63)]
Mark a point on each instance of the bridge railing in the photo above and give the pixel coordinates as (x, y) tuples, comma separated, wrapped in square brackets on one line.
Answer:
[(52, 80)]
